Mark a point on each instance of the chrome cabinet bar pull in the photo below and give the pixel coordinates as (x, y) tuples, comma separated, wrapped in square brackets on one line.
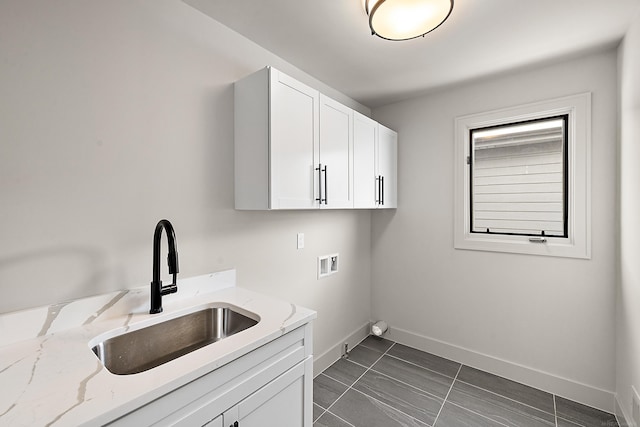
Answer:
[(382, 190)]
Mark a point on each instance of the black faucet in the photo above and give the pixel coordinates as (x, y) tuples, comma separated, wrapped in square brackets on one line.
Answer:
[(157, 290)]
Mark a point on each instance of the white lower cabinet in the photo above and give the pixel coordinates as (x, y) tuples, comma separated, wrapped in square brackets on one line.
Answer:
[(268, 387), (279, 403)]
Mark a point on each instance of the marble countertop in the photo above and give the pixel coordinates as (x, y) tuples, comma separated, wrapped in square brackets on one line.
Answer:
[(50, 376)]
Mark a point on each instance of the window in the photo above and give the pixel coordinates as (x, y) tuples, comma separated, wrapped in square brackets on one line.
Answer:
[(523, 181), (518, 183)]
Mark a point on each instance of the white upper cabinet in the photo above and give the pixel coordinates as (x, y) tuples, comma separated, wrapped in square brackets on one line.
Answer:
[(293, 143), (335, 168), (298, 149), (387, 167), (276, 142), (365, 182), (375, 164)]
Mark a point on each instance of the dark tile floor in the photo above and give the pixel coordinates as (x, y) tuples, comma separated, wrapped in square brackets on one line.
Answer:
[(385, 384)]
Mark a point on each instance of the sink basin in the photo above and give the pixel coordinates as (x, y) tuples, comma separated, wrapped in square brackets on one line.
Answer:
[(143, 349)]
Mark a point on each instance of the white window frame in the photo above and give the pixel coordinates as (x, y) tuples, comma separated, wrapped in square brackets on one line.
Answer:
[(578, 242)]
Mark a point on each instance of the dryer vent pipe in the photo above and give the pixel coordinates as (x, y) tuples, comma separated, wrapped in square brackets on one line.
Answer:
[(379, 328)]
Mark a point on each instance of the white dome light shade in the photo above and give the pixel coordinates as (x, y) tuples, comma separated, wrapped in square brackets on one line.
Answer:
[(406, 19)]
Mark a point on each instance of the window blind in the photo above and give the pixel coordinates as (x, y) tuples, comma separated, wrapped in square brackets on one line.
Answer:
[(518, 178)]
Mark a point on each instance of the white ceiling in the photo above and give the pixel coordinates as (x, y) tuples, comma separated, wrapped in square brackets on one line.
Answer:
[(330, 40)]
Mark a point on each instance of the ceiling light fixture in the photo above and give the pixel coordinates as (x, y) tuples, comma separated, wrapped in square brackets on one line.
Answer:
[(406, 19)]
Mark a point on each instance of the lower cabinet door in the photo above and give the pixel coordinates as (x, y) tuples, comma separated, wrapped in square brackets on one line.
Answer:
[(285, 401)]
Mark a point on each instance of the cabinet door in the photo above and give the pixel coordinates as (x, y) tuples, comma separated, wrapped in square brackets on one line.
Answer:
[(285, 401), (336, 154), (387, 160), (293, 139), (365, 136)]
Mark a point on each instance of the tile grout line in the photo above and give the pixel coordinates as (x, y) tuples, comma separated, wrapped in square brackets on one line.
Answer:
[(360, 364), (477, 386), (423, 367), (341, 419), (555, 414), (357, 379), (555, 411), (392, 377), (334, 379), (407, 384), (375, 349), (478, 414), (371, 397), (577, 423), (367, 369), (471, 411), (370, 368), (391, 407), (574, 422), (324, 411), (509, 398), (447, 396), (506, 398), (386, 353), (402, 382)]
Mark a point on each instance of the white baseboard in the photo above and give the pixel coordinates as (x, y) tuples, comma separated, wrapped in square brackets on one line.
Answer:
[(569, 389), (622, 416), (326, 359)]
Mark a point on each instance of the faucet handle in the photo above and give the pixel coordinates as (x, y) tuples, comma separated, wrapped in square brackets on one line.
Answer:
[(172, 260)]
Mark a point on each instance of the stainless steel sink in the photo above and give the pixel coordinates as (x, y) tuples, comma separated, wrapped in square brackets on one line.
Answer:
[(146, 348)]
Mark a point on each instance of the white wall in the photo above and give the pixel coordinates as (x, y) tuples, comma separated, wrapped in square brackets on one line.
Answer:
[(542, 320), (115, 114), (628, 308)]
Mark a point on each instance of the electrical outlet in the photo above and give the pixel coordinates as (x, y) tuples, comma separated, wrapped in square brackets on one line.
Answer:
[(635, 406), (300, 244)]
